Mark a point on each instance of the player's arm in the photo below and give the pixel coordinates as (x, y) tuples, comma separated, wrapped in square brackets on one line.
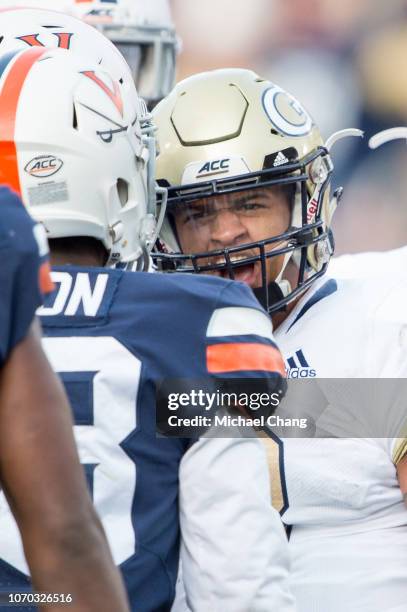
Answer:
[(234, 548), (235, 552), (63, 540)]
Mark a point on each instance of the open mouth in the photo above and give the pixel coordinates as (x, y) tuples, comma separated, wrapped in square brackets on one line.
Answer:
[(245, 273)]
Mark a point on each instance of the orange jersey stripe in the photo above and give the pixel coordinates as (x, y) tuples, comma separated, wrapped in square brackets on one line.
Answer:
[(46, 284), (243, 356), (9, 97)]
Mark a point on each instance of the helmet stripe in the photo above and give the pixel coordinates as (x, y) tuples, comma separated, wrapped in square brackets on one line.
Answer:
[(9, 97)]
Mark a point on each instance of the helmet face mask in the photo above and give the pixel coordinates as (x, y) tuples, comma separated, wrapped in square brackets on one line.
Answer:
[(151, 54), (198, 167), (144, 33)]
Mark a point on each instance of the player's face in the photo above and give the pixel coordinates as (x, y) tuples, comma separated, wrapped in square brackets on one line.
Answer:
[(230, 220)]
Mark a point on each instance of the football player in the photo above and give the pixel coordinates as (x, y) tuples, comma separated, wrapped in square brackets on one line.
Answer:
[(85, 169), (40, 472), (379, 263), (249, 198), (142, 31)]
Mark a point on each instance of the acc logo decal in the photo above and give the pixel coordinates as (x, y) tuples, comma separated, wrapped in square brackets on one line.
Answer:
[(214, 167), (286, 113), (44, 166)]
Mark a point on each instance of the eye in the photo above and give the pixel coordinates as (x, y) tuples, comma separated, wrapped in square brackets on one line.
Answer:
[(190, 216), (197, 214), (247, 206)]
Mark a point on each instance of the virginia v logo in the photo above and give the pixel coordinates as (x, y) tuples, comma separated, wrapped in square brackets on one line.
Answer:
[(63, 39), (298, 367)]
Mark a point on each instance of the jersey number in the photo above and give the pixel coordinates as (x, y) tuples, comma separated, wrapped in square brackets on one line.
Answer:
[(101, 378)]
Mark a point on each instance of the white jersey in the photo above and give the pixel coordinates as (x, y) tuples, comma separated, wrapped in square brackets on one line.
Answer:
[(348, 537), (373, 264)]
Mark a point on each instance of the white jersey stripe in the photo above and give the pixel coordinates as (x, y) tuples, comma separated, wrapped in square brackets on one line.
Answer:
[(238, 321)]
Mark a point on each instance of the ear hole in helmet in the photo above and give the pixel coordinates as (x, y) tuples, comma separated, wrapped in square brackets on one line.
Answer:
[(74, 119), (123, 191)]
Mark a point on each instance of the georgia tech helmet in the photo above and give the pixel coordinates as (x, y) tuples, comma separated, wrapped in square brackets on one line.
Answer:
[(229, 131), (143, 32), (72, 147)]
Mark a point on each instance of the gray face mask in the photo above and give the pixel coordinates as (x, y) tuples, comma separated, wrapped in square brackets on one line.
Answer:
[(133, 54), (151, 55)]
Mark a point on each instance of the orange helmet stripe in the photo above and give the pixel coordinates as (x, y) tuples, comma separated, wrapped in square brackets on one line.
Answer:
[(9, 97)]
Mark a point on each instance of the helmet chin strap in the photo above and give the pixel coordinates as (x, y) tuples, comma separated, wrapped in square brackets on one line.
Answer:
[(277, 289), (284, 284), (274, 294)]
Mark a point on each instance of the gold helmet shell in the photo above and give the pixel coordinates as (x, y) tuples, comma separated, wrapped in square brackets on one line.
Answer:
[(230, 129)]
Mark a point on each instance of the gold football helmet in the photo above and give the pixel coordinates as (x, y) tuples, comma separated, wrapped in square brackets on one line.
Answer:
[(230, 131)]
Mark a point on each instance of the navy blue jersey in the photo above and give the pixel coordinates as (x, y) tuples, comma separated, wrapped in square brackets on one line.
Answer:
[(111, 335), (22, 271)]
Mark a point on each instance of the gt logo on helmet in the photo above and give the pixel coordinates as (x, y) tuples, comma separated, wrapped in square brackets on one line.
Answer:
[(286, 113)]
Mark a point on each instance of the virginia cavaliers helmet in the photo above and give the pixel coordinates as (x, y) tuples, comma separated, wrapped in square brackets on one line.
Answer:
[(141, 29), (23, 26), (229, 131), (71, 145)]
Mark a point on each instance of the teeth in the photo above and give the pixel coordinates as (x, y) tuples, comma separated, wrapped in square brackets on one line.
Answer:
[(239, 258), (233, 259)]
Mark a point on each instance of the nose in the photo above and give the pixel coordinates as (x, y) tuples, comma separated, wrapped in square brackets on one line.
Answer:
[(227, 230)]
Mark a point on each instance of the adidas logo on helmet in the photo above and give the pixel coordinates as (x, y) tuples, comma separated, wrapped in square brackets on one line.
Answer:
[(280, 159)]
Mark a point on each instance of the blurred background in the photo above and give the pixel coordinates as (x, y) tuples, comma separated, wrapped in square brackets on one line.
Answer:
[(346, 61)]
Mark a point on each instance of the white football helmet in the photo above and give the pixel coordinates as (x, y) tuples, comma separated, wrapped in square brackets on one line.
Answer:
[(72, 147), (22, 27), (141, 29)]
